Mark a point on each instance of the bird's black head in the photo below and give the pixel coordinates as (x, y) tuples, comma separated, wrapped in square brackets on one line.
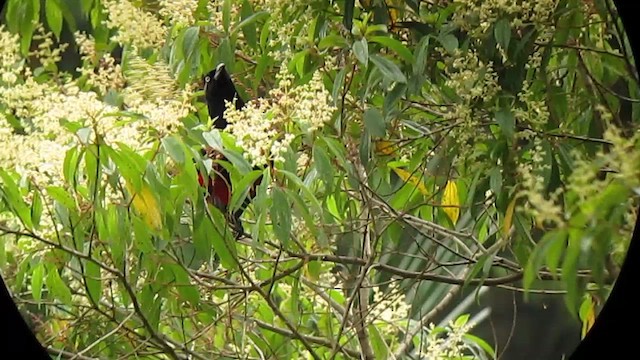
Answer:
[(219, 87)]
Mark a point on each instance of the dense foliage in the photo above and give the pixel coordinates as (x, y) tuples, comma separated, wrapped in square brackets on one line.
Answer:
[(411, 149)]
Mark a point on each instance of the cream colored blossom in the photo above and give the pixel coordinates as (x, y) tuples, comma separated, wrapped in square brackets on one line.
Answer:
[(45, 52), (102, 72), (476, 16), (134, 26), (179, 11), (265, 128), (151, 81), (9, 54), (389, 309), (448, 344), (534, 110)]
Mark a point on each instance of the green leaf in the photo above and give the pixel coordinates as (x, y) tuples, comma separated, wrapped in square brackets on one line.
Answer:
[(281, 216), (361, 50), (202, 233), (54, 16), (338, 84), (322, 163), (449, 42), (86, 5), (507, 122), (190, 42), (250, 21), (495, 180), (395, 45), (57, 287), (226, 15), (9, 190), (374, 122), (380, 348), (174, 148), (570, 270), (481, 343), (37, 277), (248, 29), (241, 188), (142, 235), (36, 208), (502, 33), (422, 54), (184, 286), (332, 40), (555, 250), (61, 196), (536, 258), (94, 280), (388, 68)]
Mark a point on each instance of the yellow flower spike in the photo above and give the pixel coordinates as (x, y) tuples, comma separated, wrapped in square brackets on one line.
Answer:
[(451, 202), (145, 204)]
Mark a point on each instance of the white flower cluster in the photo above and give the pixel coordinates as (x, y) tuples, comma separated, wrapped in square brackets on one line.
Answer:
[(265, 128), (45, 52), (534, 111), (389, 308), (289, 25), (451, 346), (532, 184), (9, 53), (179, 11), (102, 73), (150, 81), (471, 80), (153, 93), (477, 16), (135, 26)]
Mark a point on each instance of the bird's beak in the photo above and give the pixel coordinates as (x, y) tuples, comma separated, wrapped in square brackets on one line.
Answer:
[(219, 70)]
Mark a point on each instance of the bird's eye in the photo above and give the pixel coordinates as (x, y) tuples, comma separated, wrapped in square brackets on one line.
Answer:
[(207, 79)]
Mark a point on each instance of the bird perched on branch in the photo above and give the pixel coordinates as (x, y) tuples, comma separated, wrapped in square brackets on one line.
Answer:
[(219, 89)]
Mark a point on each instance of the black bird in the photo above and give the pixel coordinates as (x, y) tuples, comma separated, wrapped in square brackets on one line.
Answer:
[(218, 88)]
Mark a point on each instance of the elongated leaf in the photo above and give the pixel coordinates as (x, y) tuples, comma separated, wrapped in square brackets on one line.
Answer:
[(451, 201), (145, 204), (37, 277), (361, 50), (54, 16), (374, 122), (94, 280), (250, 21), (508, 217), (449, 42), (502, 33), (57, 287), (9, 190), (412, 179), (281, 216), (395, 45), (388, 68)]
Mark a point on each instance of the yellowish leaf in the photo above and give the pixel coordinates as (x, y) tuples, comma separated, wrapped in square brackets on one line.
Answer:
[(385, 147), (146, 205), (508, 217), (451, 202), (407, 177), (589, 316)]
